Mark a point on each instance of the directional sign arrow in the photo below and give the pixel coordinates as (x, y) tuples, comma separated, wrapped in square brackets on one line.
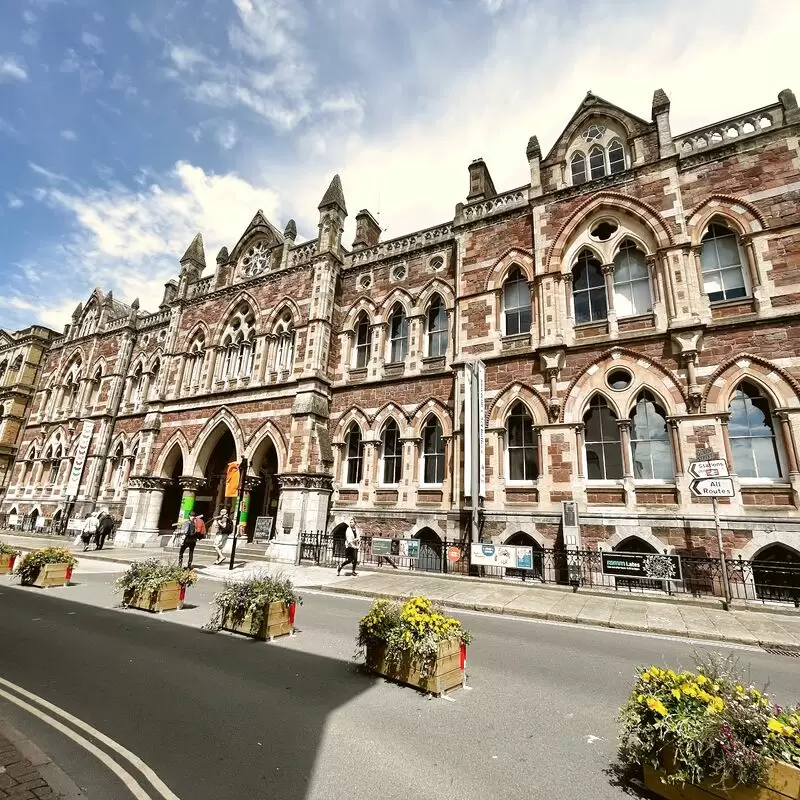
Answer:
[(715, 468), (712, 487)]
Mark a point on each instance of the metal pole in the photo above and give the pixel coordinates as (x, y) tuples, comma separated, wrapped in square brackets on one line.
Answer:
[(725, 583), (242, 474)]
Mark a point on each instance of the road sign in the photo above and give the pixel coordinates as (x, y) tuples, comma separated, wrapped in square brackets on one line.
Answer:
[(712, 487), (454, 554), (715, 468)]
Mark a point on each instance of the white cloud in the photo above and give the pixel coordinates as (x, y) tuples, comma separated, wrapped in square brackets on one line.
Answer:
[(14, 201), (130, 241), (92, 42), (227, 135), (29, 17), (8, 129), (186, 58), (57, 316), (46, 173), (68, 135), (86, 69), (29, 37), (12, 69)]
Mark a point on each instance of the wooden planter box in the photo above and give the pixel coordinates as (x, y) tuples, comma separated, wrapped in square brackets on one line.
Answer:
[(51, 575), (276, 619), (7, 564), (447, 673), (169, 597), (782, 783)]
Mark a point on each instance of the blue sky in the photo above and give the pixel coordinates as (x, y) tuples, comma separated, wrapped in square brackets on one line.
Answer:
[(125, 127)]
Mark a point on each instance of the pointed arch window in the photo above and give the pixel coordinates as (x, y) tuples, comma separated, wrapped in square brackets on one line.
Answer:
[(651, 453), (3, 370), (391, 453), (436, 320), (589, 289), (616, 157), (139, 379), (578, 168), (521, 444), (94, 389), (721, 264), (89, 322), (432, 451), (602, 442), (354, 466), (152, 393), (398, 334), (55, 463), (284, 349), (237, 343), (119, 468), (517, 311), (194, 362), (363, 341), (597, 162), (754, 445), (631, 282)]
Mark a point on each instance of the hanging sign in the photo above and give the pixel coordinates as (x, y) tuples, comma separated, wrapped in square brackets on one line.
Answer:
[(232, 480)]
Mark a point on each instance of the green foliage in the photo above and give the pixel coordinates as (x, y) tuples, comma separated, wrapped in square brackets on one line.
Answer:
[(8, 550), (249, 597), (705, 725), (32, 563), (147, 577), (414, 628)]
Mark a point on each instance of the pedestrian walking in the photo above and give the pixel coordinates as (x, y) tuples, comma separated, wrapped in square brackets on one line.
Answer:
[(89, 530), (224, 528), (189, 531), (105, 525), (200, 526), (351, 543)]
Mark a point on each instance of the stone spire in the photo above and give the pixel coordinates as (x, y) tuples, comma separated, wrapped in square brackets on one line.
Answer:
[(195, 252), (334, 196), (109, 300), (290, 232), (223, 256), (76, 314), (533, 150), (660, 102)]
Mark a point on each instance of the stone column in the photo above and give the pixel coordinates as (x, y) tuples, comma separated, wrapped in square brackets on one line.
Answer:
[(677, 450), (176, 389), (250, 483), (212, 365), (302, 506), (189, 486), (579, 429), (726, 442), (611, 316), (142, 511), (789, 444), (624, 426)]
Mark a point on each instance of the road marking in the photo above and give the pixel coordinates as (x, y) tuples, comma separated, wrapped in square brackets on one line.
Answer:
[(163, 790)]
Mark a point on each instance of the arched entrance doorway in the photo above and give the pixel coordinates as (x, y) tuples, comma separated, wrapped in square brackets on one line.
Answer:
[(221, 451), (264, 497), (55, 525), (521, 539), (776, 574), (171, 503), (33, 519), (430, 550)]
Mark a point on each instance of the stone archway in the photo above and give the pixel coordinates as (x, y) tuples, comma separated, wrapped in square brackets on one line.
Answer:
[(776, 574), (264, 496), (171, 503), (217, 452), (521, 539), (430, 550)]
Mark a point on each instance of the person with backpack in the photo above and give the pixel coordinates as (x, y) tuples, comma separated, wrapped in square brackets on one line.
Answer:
[(351, 545), (224, 529), (190, 537)]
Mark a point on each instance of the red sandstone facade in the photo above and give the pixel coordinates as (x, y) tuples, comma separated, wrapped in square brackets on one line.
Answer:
[(635, 303)]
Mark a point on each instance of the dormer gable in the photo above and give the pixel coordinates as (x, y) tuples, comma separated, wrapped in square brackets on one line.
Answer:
[(258, 250)]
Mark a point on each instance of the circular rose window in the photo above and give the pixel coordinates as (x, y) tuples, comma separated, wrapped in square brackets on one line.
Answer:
[(619, 379)]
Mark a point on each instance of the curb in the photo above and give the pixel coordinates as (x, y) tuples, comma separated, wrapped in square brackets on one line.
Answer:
[(561, 617), (64, 788)]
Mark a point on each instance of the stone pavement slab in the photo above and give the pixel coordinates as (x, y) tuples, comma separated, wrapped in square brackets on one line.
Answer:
[(629, 615), (664, 618), (568, 609), (26, 773)]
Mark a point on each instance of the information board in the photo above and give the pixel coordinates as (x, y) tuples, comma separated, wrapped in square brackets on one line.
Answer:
[(501, 555), (263, 530), (402, 548), (644, 566)]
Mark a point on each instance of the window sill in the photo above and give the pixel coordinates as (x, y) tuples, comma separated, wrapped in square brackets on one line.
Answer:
[(741, 306), (589, 330), (358, 374), (430, 363)]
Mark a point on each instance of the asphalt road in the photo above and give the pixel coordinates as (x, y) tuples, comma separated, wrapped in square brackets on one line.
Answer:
[(222, 717)]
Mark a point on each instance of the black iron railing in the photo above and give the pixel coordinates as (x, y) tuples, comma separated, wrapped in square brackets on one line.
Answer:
[(766, 581)]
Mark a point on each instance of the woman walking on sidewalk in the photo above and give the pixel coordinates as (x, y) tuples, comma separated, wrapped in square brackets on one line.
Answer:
[(224, 528)]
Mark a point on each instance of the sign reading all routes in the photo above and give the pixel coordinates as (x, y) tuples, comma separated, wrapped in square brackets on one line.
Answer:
[(712, 487)]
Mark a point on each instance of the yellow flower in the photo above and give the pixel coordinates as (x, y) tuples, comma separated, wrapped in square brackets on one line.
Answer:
[(776, 725), (676, 693), (654, 704), (701, 679), (646, 677), (640, 698)]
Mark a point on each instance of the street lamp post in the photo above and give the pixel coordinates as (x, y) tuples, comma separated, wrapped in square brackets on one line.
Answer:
[(242, 474)]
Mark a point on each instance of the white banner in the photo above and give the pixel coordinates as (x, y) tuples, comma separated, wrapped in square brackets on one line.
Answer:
[(501, 555), (80, 459), (474, 425)]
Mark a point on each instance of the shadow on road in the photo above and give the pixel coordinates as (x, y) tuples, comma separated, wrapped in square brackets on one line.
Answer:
[(215, 715)]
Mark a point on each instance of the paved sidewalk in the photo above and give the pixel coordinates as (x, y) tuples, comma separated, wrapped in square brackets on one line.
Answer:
[(26, 773), (676, 617)]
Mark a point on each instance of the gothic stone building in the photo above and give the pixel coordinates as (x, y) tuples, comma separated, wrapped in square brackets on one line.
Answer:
[(634, 305)]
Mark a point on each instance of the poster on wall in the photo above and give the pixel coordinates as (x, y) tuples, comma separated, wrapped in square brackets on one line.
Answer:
[(403, 548), (501, 555)]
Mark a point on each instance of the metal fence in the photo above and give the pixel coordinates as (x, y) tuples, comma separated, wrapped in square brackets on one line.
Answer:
[(765, 581)]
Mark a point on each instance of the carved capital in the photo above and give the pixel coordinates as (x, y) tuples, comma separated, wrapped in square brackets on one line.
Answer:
[(695, 398), (191, 483), (551, 361), (688, 341), (650, 261), (148, 482), (607, 269), (251, 481), (554, 409), (306, 480)]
